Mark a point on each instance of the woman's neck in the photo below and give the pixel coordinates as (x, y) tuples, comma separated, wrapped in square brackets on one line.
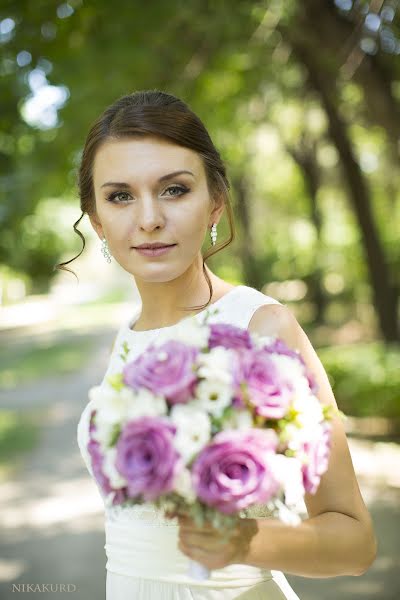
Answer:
[(161, 302)]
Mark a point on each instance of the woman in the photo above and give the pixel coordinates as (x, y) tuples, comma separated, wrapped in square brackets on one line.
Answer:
[(151, 176)]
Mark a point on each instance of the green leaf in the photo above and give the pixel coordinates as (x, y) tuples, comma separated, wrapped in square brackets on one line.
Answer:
[(116, 381)]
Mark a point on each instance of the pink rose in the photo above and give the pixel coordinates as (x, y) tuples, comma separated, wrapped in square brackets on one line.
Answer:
[(278, 346), (268, 387), (229, 336), (317, 451), (147, 458), (233, 471), (166, 370)]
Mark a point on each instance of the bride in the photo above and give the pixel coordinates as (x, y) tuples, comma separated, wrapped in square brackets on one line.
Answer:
[(151, 176)]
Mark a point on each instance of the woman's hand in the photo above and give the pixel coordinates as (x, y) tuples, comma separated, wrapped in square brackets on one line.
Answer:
[(212, 548)]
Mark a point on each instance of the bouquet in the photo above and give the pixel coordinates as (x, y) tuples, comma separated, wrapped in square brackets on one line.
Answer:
[(210, 423)]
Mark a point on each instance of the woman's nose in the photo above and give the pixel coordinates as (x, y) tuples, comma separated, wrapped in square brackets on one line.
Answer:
[(150, 214)]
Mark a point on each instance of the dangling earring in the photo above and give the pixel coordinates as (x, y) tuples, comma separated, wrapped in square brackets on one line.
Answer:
[(213, 234), (105, 250)]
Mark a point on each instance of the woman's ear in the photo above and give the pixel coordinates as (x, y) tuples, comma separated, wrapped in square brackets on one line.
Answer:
[(218, 209), (96, 225)]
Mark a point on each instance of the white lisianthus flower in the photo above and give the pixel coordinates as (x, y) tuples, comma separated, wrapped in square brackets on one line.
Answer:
[(309, 410), (111, 403), (110, 408), (292, 367), (288, 472), (295, 436), (189, 331), (261, 340), (146, 404), (116, 407), (287, 515), (104, 430), (108, 500), (183, 485), (193, 429), (102, 396), (240, 419), (109, 469), (212, 397), (216, 365)]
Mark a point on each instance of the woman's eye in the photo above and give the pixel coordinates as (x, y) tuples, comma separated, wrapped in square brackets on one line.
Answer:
[(181, 190), (115, 195), (119, 197)]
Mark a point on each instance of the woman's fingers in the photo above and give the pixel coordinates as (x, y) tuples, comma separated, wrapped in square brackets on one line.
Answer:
[(201, 539)]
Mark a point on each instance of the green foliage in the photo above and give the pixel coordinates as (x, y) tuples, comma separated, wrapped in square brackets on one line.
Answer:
[(117, 380), (365, 378), (246, 73), (19, 433)]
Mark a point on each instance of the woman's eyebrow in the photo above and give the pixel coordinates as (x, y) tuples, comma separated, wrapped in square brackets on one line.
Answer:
[(163, 178)]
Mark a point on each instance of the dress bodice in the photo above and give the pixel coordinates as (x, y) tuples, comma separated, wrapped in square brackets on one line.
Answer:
[(236, 307)]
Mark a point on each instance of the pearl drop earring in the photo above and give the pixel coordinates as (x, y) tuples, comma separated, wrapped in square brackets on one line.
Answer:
[(213, 234), (105, 250)]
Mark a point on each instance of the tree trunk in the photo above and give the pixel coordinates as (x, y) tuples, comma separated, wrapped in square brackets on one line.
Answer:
[(338, 36), (304, 156), (247, 255), (384, 293)]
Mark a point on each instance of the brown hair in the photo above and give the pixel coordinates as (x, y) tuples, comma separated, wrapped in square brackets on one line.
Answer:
[(153, 113)]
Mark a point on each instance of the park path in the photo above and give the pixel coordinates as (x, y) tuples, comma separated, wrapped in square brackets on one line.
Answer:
[(51, 513)]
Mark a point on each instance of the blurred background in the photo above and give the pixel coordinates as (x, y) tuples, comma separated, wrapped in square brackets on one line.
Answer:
[(302, 98)]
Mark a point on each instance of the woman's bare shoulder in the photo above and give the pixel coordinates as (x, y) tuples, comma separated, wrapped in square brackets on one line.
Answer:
[(276, 320)]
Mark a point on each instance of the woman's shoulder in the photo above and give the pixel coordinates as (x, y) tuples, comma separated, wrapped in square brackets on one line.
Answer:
[(239, 304), (272, 318), (255, 294)]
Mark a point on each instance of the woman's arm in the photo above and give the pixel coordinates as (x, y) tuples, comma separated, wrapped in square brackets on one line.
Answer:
[(338, 537)]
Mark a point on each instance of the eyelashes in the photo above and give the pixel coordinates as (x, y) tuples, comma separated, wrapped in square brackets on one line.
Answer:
[(114, 196)]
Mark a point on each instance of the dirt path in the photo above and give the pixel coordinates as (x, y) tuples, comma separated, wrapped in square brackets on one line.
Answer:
[(51, 513)]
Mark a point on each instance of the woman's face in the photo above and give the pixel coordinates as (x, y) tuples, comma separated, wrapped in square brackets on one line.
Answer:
[(140, 200)]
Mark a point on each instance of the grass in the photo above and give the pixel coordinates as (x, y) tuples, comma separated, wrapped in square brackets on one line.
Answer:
[(42, 359), (365, 378), (19, 434)]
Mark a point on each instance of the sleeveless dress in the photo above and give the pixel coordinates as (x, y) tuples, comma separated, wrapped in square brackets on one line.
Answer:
[(143, 559)]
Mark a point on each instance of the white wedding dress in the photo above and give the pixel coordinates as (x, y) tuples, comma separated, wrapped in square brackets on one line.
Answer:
[(143, 559)]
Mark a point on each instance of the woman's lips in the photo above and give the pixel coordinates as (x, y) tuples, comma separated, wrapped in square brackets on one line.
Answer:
[(154, 251)]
